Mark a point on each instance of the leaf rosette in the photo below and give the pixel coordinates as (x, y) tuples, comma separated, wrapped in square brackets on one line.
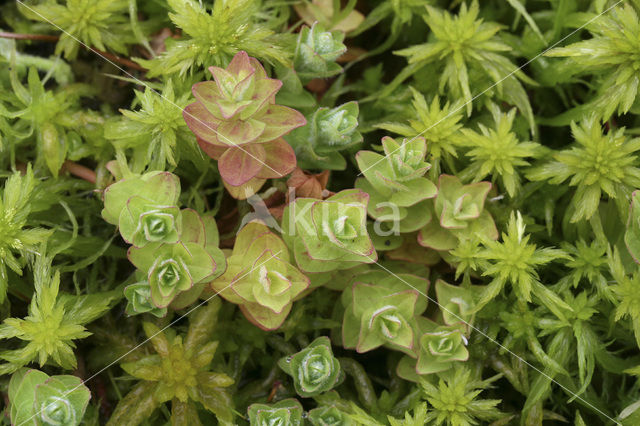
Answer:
[(457, 302), (439, 348), (155, 188), (329, 131), (174, 268), (314, 369), (286, 412), (237, 122), (382, 313), (458, 212), (329, 234), (141, 223), (259, 277), (329, 416), (316, 52), (139, 301), (145, 208), (38, 399), (396, 183)]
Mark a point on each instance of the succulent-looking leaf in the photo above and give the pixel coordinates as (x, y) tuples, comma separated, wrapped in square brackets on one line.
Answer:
[(237, 122), (329, 416), (396, 184), (328, 131), (158, 188), (286, 412), (438, 347), (323, 11), (330, 234), (381, 310), (316, 52), (314, 369), (172, 268), (259, 277), (138, 297), (35, 398), (141, 223), (458, 213)]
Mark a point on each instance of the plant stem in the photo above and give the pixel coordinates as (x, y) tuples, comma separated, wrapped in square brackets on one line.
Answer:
[(79, 171), (41, 37), (118, 59)]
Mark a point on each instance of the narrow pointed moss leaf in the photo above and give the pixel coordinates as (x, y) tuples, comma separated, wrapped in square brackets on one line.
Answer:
[(632, 234)]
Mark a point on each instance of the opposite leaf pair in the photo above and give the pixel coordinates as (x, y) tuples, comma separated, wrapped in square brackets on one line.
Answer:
[(396, 184), (38, 399), (237, 122), (260, 278), (174, 249)]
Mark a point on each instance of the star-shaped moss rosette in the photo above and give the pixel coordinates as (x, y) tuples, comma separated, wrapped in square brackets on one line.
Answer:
[(260, 278), (237, 122), (330, 234), (178, 267), (458, 211), (439, 348), (329, 131), (38, 399), (316, 52), (314, 369), (396, 184), (380, 310), (145, 208), (180, 372), (286, 412)]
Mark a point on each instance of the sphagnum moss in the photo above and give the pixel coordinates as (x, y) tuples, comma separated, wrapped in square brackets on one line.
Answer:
[(261, 212)]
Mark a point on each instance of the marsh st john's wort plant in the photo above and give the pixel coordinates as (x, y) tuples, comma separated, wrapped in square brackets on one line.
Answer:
[(241, 216)]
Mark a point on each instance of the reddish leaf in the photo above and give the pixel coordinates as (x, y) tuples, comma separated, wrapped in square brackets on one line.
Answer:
[(280, 120), (241, 164), (201, 122), (280, 159), (236, 132)]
